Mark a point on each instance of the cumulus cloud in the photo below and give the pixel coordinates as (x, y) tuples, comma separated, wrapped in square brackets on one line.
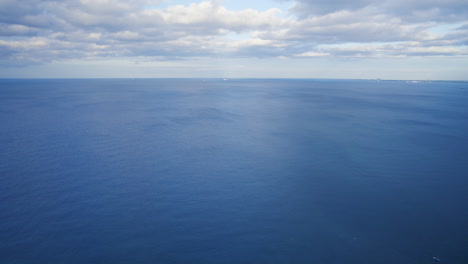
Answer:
[(347, 26), (409, 10), (41, 31)]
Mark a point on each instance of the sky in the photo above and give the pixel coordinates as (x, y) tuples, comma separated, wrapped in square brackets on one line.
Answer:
[(343, 39)]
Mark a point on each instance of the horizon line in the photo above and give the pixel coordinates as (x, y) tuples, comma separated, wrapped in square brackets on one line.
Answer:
[(233, 78)]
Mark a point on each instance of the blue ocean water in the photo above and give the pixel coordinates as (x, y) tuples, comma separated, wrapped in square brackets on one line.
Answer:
[(239, 171)]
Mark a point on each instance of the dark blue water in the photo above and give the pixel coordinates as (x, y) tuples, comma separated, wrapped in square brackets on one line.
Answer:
[(244, 171)]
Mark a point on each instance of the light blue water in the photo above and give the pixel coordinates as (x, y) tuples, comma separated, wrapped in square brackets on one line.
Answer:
[(244, 171)]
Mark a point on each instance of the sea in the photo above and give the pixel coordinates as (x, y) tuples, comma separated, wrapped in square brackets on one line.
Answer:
[(213, 171)]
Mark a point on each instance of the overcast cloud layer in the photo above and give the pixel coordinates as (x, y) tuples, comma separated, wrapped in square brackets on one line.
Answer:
[(41, 32)]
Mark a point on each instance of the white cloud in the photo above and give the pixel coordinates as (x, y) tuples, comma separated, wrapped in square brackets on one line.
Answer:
[(33, 31), (408, 10), (312, 54)]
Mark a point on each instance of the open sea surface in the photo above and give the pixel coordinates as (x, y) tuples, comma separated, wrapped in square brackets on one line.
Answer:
[(193, 171)]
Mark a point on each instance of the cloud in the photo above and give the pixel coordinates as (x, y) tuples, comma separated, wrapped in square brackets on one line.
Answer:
[(408, 10), (347, 26), (34, 31), (312, 54), (17, 30), (396, 50)]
